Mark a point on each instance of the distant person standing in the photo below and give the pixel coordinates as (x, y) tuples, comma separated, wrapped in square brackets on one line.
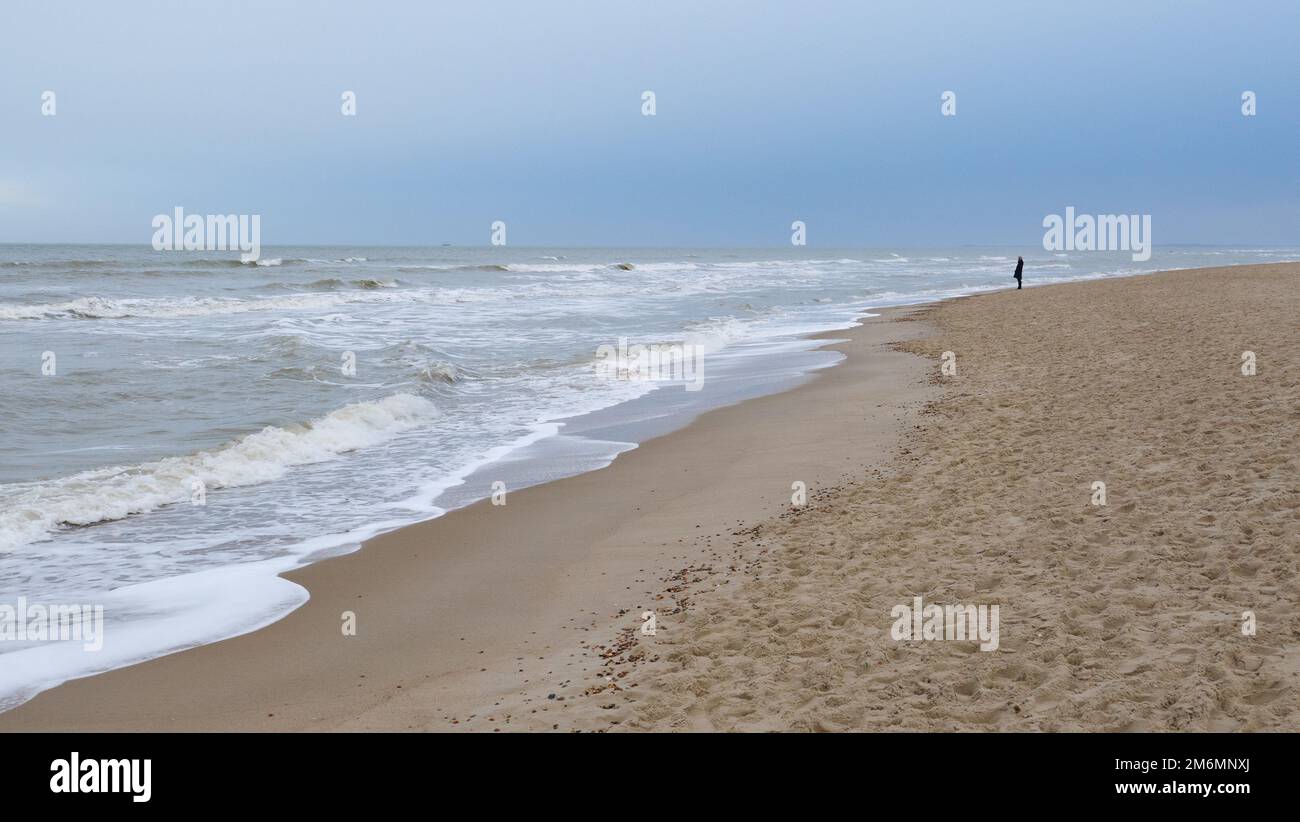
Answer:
[(1020, 272)]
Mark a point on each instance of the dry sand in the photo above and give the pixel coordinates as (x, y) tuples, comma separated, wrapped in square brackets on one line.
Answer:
[(974, 488), (1122, 617)]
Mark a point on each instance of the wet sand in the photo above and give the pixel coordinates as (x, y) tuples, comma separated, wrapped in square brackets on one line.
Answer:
[(474, 620)]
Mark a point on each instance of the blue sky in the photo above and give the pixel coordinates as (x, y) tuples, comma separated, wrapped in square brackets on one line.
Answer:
[(530, 112)]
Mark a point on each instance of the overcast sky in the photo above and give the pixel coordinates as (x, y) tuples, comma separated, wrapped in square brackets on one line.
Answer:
[(530, 112)]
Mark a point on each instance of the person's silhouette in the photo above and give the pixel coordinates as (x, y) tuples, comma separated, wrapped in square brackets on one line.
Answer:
[(1020, 272)]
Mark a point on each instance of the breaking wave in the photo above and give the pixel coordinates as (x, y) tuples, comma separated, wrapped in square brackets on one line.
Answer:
[(30, 511)]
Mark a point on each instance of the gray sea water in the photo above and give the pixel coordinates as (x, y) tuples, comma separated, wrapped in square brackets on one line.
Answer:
[(138, 384)]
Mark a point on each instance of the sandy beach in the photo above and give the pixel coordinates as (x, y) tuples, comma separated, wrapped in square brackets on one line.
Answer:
[(976, 487)]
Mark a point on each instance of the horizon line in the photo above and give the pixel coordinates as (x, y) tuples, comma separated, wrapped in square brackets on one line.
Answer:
[(633, 247)]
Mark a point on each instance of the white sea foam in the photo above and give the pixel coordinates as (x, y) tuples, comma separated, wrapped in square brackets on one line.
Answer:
[(183, 611)]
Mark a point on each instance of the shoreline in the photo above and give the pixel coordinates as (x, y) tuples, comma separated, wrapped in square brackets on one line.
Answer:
[(1118, 618), (152, 616), (517, 603)]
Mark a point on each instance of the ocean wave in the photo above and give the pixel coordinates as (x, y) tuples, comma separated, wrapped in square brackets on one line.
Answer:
[(272, 261), (438, 372), (102, 308), (548, 268), (31, 511), (68, 263), (424, 363), (710, 335), (333, 284), (482, 267), (327, 284), (666, 267), (210, 262), (524, 268), (715, 333)]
